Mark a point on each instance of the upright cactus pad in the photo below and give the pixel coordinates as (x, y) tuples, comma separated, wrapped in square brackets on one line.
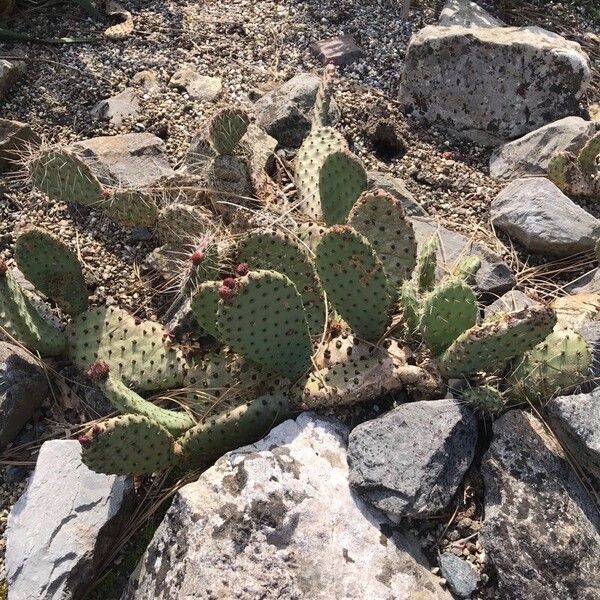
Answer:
[(355, 281), (315, 149), (62, 175), (53, 268), (226, 128), (467, 269), (181, 223), (20, 319), (410, 307), (488, 345), (263, 319), (205, 303), (588, 156), (484, 399), (309, 235), (276, 251), (127, 444), (138, 352), (342, 179), (447, 312), (554, 367), (427, 265), (131, 208), (320, 113), (380, 218)]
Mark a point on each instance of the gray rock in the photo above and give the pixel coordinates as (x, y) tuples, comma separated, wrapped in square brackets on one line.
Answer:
[(277, 521), (576, 420), (534, 212), (339, 50), (260, 148), (10, 72), (590, 282), (397, 188), (125, 106), (15, 137), (471, 81), (23, 387), (198, 156), (199, 87), (147, 81), (509, 302), (461, 576), (530, 154), (61, 528), (411, 460), (284, 113), (131, 159), (464, 13), (541, 531), (493, 278)]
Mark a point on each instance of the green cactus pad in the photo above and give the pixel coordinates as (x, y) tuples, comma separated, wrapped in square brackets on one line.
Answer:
[(226, 128), (179, 223), (410, 307), (229, 430), (484, 399), (488, 345), (320, 112), (128, 444), (588, 156), (138, 352), (265, 321), (205, 303), (562, 169), (53, 268), (276, 251), (467, 269), (131, 208), (20, 319), (554, 367), (355, 281), (342, 179), (319, 144), (380, 218), (62, 175), (427, 265), (310, 234), (447, 312)]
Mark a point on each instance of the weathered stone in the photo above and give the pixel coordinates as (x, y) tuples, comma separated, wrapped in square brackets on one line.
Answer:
[(589, 282), (411, 460), (259, 147), (494, 276), (509, 302), (277, 521), (397, 188), (339, 50), (285, 112), (490, 84), (541, 532), (199, 87), (125, 106), (461, 576), (131, 160), (530, 154), (63, 525), (147, 81), (23, 387), (534, 212), (199, 155), (15, 138), (464, 13), (10, 73)]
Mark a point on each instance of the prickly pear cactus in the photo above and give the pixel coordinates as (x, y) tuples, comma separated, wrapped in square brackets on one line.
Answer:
[(427, 265), (127, 444), (181, 223), (53, 268), (138, 352), (309, 235), (588, 156), (342, 179), (262, 318), (381, 219), (204, 265), (466, 269), (276, 251), (320, 112), (20, 319), (484, 399), (226, 128), (355, 281), (131, 208), (488, 345), (410, 307), (204, 304)]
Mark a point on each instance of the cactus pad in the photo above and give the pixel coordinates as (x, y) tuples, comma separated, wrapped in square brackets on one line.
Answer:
[(380, 218), (320, 112), (588, 156), (264, 320), (410, 307), (355, 281), (131, 208), (53, 268), (467, 269), (180, 223), (484, 399), (205, 303), (427, 265), (310, 234), (226, 128)]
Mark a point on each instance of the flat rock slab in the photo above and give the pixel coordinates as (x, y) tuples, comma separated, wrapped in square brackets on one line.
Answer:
[(61, 528), (541, 531), (410, 461), (130, 160), (117, 109), (491, 84), (277, 521), (493, 278), (509, 302), (463, 13), (397, 188), (530, 154), (535, 213), (339, 50)]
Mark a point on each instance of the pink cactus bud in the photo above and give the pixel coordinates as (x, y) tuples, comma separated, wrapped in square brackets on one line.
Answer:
[(226, 292), (229, 282), (96, 429), (98, 371), (242, 269), (107, 193), (197, 256), (85, 441)]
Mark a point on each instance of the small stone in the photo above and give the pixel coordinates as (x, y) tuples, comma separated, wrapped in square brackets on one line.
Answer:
[(460, 576), (147, 81), (140, 234), (118, 109), (340, 50), (397, 188), (10, 73), (199, 87), (15, 137), (509, 302)]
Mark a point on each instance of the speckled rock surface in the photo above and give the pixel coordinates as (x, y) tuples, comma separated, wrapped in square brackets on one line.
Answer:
[(491, 84), (464, 13)]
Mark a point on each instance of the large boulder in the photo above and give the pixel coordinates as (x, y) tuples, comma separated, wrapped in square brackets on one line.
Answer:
[(490, 84), (278, 521), (463, 13), (63, 526), (541, 531), (534, 212), (15, 138)]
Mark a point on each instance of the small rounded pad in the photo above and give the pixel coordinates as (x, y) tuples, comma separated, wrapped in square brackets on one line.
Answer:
[(132, 208), (342, 179), (488, 345), (226, 129), (320, 112), (467, 269), (136, 351), (204, 304), (588, 156), (447, 312), (484, 399), (265, 321), (53, 268), (427, 265), (180, 223), (129, 444), (276, 251), (228, 430), (355, 281), (62, 175), (319, 144), (409, 306)]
